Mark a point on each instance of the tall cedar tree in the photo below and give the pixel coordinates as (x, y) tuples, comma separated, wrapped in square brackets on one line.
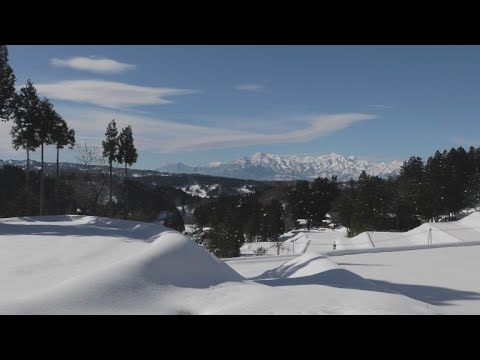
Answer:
[(110, 151), (127, 153), (26, 115), (7, 85), (61, 136), (44, 130)]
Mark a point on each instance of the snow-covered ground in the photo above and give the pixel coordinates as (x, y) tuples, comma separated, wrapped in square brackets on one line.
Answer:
[(198, 190), (301, 241), (92, 265), (466, 230), (446, 277)]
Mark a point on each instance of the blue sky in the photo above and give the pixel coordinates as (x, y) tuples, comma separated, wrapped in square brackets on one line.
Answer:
[(197, 104)]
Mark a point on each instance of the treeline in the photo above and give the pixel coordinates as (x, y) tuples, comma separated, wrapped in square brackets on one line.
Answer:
[(200, 179), (441, 187), (431, 190), (88, 192), (265, 214)]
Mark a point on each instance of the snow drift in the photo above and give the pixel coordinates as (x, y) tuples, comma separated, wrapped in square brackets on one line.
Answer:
[(86, 264)]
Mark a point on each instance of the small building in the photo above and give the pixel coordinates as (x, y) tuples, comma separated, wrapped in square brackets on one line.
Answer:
[(302, 222)]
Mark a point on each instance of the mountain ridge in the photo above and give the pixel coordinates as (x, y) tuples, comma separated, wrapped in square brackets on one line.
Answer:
[(264, 166)]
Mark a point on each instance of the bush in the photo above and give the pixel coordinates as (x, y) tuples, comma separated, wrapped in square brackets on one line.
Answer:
[(260, 251)]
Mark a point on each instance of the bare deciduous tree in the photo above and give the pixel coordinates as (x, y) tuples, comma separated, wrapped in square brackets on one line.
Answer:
[(91, 185)]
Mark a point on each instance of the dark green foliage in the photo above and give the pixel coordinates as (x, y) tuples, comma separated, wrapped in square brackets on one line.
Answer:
[(174, 220), (440, 188), (61, 135), (145, 202), (7, 86), (127, 153), (271, 221), (226, 240), (44, 130), (26, 117), (110, 144), (12, 194), (110, 152), (184, 179), (312, 201)]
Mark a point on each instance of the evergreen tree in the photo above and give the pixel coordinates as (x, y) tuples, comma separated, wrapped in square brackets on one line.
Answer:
[(299, 200), (200, 214), (26, 114), (252, 228), (127, 153), (7, 86), (61, 136), (344, 209), (272, 225), (174, 221), (437, 175), (110, 151), (226, 240), (44, 129), (322, 194)]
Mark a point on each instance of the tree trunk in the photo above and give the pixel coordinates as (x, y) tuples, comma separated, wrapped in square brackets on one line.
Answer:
[(56, 171), (398, 219), (41, 186), (27, 185), (56, 181), (126, 192), (110, 196)]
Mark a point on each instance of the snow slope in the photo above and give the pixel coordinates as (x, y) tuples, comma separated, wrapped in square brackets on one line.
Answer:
[(91, 265), (335, 290), (443, 278), (88, 264), (446, 277), (464, 231)]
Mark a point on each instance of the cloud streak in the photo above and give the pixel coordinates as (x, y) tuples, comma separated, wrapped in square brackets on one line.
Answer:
[(110, 94), (95, 65), (168, 137), (380, 106), (250, 87), (462, 141), (6, 148)]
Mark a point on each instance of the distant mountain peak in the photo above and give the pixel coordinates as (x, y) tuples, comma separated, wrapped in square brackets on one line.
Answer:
[(264, 166)]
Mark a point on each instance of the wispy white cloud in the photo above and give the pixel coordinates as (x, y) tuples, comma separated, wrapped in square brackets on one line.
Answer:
[(380, 106), (5, 140), (165, 136), (111, 94), (92, 64), (462, 141), (250, 87)]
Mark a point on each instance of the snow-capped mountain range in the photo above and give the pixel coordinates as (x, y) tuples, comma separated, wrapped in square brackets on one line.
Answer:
[(261, 166)]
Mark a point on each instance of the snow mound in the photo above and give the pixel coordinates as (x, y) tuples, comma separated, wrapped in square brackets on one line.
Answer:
[(81, 264), (316, 269), (472, 220), (305, 265)]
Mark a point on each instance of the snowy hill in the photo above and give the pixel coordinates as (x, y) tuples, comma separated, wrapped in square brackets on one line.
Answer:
[(261, 166), (92, 265)]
